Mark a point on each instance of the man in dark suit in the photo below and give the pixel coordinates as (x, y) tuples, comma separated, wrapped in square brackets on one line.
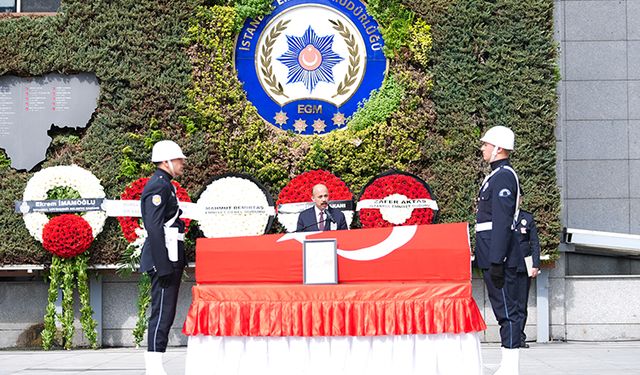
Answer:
[(320, 217), (163, 251), (527, 234)]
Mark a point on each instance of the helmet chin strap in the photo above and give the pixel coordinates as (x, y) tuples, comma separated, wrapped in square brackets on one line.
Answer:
[(173, 172), (494, 153)]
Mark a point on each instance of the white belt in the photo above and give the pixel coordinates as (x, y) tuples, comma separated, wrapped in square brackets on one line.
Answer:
[(481, 227)]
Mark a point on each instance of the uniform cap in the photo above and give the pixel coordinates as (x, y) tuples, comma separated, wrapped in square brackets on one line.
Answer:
[(499, 136), (166, 150)]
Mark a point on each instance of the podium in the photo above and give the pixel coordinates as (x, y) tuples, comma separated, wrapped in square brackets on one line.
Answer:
[(403, 304)]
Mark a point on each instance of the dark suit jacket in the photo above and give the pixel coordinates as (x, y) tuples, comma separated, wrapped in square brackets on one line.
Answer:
[(308, 222), (527, 234)]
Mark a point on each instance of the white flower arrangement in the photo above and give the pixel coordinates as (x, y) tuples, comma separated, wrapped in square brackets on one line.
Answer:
[(72, 176), (234, 206), (396, 215)]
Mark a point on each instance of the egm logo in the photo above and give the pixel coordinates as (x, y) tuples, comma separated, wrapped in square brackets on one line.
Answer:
[(308, 64)]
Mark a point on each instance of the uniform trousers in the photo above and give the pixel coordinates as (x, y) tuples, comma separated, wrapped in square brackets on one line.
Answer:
[(504, 303), (524, 285), (163, 310)]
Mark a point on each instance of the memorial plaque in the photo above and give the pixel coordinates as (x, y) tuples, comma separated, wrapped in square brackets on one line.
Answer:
[(30, 106), (39, 5), (7, 6)]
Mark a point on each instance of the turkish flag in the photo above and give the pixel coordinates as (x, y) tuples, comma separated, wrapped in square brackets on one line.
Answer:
[(439, 252)]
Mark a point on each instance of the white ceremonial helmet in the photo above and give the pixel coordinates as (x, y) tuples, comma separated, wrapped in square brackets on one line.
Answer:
[(166, 150), (499, 136)]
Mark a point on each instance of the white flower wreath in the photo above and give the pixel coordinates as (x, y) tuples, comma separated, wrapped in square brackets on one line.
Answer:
[(72, 176), (234, 206), (396, 215)]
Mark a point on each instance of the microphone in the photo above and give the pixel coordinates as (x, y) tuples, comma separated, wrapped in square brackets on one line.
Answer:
[(312, 224), (329, 216)]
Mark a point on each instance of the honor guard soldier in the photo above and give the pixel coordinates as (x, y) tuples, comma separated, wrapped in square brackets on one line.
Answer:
[(496, 250), (527, 234), (163, 251)]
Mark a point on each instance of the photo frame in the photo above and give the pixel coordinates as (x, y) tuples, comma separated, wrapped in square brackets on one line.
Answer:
[(320, 262)]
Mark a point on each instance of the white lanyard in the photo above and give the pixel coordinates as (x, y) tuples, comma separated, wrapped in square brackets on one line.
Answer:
[(517, 211), (175, 217)]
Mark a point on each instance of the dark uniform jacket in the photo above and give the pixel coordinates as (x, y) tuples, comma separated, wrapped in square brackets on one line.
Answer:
[(159, 204), (308, 221), (528, 241), (497, 205)]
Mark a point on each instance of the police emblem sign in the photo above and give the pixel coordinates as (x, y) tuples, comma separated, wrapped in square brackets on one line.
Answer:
[(308, 64)]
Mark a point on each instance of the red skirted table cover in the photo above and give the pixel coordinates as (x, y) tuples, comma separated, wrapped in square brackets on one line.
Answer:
[(393, 281), (369, 309)]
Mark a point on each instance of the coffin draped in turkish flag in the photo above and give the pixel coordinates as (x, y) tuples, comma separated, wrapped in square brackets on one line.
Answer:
[(404, 253), (393, 281)]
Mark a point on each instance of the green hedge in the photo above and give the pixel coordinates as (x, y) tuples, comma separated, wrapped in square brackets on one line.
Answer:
[(166, 70)]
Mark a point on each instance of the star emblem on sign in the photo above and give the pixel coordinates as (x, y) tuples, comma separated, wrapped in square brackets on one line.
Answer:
[(281, 118), (319, 126), (338, 119), (310, 59), (300, 125)]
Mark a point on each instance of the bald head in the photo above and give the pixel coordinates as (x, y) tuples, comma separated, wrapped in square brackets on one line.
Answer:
[(320, 196)]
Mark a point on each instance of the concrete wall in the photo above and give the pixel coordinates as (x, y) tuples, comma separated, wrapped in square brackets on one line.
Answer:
[(599, 118), (119, 311), (22, 305), (598, 139)]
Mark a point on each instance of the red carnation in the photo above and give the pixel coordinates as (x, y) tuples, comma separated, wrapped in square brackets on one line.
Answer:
[(299, 188), (396, 183), (67, 235), (134, 192)]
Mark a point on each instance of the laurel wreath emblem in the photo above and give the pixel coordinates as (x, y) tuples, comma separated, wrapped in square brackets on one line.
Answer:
[(265, 58), (354, 56)]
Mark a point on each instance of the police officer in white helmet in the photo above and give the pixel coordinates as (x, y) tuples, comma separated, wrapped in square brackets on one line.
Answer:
[(163, 251), (497, 252)]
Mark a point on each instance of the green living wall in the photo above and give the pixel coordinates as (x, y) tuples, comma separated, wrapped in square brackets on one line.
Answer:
[(165, 68)]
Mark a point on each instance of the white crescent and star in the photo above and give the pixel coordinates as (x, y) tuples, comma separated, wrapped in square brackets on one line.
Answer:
[(398, 237)]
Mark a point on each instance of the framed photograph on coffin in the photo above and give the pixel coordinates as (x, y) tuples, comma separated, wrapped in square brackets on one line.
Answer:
[(320, 262)]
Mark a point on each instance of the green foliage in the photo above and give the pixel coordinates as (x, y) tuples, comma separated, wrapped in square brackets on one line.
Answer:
[(129, 168), (494, 64), (166, 71), (144, 300), (66, 319), (86, 312), (136, 50), (64, 275), (249, 9), (63, 192), (396, 22), (55, 276), (380, 105), (420, 42), (242, 142), (5, 162)]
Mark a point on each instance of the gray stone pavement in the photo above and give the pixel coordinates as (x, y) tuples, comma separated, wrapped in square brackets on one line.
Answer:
[(603, 358)]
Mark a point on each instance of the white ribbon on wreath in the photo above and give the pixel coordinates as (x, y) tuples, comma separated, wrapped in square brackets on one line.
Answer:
[(233, 206), (396, 208), (71, 176)]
